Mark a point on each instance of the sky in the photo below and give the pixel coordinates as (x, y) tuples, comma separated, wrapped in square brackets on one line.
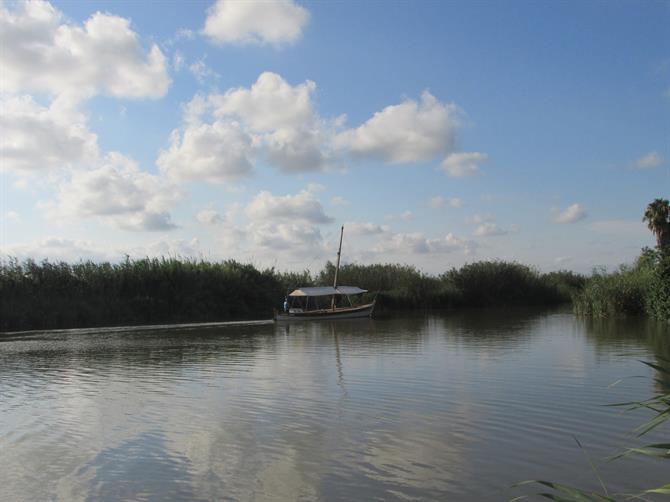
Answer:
[(437, 133)]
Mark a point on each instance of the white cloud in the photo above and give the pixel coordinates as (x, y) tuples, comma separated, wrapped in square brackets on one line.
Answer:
[(44, 53), (650, 161), (178, 61), (409, 132), (356, 228), (56, 248), (417, 243), (288, 208), (463, 164), (295, 150), (73, 250), (201, 71), (439, 201), (275, 23), (489, 229), (270, 104), (37, 138), (271, 120), (209, 217), (168, 247), (477, 219), (570, 214), (217, 152), (487, 226), (298, 237), (407, 215), (119, 192)]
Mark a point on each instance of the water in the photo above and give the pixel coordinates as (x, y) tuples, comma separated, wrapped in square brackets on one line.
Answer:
[(422, 407)]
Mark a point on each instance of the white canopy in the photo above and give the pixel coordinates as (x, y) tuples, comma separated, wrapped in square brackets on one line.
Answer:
[(328, 291)]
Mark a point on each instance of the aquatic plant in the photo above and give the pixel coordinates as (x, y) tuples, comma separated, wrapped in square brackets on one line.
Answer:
[(49, 295)]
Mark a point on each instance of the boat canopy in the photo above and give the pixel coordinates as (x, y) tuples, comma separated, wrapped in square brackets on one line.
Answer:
[(328, 291)]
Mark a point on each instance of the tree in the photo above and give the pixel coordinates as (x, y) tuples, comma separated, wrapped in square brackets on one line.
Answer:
[(657, 217)]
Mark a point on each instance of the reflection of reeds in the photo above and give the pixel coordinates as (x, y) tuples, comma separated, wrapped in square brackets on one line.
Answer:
[(659, 405), (171, 290)]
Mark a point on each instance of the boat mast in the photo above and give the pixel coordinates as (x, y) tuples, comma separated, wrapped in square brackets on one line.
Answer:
[(337, 267)]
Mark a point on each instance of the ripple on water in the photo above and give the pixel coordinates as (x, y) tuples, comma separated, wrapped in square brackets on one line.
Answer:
[(415, 408)]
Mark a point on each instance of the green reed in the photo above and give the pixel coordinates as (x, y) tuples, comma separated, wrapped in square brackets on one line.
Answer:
[(48, 294)]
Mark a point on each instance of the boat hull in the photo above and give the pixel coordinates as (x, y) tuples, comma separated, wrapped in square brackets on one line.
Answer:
[(327, 314)]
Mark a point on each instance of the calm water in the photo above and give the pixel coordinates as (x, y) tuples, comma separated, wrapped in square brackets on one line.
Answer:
[(427, 407)]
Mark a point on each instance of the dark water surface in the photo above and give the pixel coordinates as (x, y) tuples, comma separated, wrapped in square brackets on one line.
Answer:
[(426, 407)]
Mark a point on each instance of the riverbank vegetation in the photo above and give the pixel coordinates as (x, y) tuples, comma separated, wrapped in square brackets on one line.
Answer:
[(171, 290), (641, 288), (644, 287), (51, 295)]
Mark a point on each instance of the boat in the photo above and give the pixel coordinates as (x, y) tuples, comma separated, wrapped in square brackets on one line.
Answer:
[(325, 302)]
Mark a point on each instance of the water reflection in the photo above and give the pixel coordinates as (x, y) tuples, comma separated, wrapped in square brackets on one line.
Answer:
[(421, 407)]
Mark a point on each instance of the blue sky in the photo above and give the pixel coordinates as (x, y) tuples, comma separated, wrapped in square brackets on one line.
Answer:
[(438, 133)]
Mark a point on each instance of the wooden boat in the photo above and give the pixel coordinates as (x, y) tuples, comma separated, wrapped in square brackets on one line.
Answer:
[(310, 304)]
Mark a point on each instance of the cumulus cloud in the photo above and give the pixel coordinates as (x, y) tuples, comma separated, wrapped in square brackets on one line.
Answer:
[(489, 229), (37, 138), (408, 132), (217, 152), (168, 247), (209, 217), (42, 52), (570, 214), (463, 164), (358, 228), (417, 243), (274, 23), (487, 226), (650, 161), (299, 237), (269, 104), (287, 208), (225, 135), (282, 119), (117, 191)]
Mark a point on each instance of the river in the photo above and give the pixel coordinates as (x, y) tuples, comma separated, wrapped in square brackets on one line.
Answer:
[(437, 406)]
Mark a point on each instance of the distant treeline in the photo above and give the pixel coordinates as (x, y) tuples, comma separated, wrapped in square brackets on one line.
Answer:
[(50, 295)]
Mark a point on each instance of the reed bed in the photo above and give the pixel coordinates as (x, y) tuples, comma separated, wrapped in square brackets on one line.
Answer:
[(640, 289), (50, 295)]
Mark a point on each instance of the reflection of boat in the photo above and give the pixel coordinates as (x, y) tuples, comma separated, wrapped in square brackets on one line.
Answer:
[(309, 304)]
